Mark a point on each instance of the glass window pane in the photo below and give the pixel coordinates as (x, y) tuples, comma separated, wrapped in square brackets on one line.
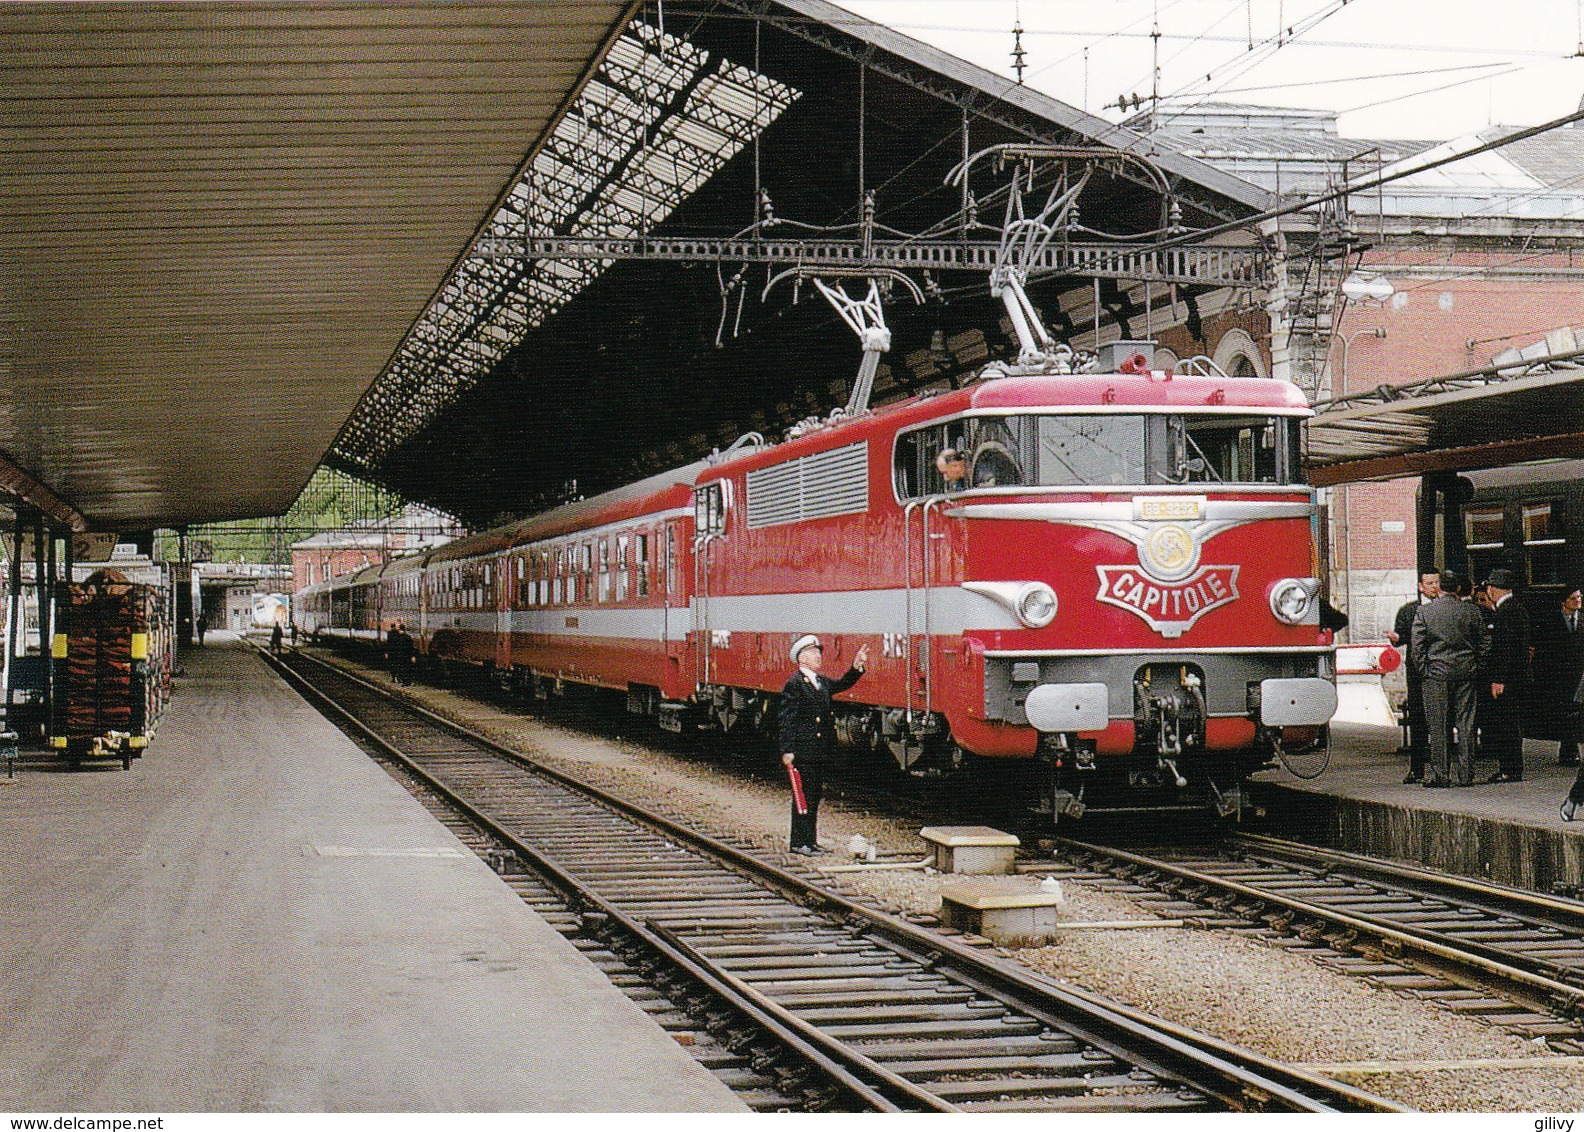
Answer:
[(1482, 527), (1545, 543), (1106, 450)]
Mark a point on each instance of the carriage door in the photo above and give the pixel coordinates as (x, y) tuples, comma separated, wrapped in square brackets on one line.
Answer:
[(709, 528)]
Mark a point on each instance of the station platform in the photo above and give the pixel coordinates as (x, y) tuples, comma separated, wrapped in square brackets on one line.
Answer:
[(1510, 833), (257, 918)]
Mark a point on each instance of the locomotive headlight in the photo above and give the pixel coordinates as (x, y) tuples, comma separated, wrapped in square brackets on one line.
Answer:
[(1291, 600), (1036, 605)]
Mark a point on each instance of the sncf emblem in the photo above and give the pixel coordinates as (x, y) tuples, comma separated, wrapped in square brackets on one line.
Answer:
[(1170, 608)]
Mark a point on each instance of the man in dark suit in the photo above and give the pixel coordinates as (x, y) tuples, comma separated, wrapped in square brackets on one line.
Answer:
[(1450, 644), (1561, 644), (399, 653), (1402, 636), (1508, 676), (808, 733)]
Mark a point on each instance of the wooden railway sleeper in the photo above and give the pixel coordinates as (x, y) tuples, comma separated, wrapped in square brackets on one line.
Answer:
[(819, 1098), (1568, 1007), (1310, 931), (1344, 940)]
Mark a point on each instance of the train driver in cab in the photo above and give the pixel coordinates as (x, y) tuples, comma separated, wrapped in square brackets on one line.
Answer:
[(953, 469)]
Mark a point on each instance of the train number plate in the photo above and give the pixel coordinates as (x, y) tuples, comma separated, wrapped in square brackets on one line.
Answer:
[(1159, 507)]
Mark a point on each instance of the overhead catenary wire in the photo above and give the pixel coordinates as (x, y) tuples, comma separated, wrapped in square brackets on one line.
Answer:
[(1261, 53), (1377, 77), (1431, 90)]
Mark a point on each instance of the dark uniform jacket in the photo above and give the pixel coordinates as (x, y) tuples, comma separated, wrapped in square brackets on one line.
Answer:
[(1450, 641), (1404, 630), (1563, 652), (1509, 658), (807, 721), (398, 649)]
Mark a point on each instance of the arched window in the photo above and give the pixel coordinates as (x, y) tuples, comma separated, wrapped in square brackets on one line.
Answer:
[(1239, 355)]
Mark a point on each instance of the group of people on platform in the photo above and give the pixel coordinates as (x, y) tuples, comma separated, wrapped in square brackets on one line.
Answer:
[(1478, 672)]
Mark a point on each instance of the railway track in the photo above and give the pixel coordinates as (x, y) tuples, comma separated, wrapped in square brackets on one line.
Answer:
[(805, 998), (1511, 957)]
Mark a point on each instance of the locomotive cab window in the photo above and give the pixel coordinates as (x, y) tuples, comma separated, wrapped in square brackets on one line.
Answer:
[(1226, 450), (1101, 449), (913, 464), (709, 510)]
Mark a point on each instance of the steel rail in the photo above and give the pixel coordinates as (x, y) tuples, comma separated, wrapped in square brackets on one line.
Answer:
[(1235, 1077), (1394, 941), (1511, 901), (832, 1058)]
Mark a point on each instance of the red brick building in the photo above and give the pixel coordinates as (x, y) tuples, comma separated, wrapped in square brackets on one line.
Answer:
[(331, 554)]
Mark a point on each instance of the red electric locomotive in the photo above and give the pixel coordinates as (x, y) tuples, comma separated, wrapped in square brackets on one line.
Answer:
[(1124, 586)]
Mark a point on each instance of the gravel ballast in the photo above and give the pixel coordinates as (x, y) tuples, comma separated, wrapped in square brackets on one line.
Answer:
[(1226, 984)]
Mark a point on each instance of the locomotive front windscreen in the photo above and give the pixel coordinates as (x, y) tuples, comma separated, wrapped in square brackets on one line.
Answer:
[(1105, 450)]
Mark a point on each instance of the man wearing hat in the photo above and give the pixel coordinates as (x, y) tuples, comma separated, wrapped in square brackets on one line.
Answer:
[(1509, 677), (808, 733)]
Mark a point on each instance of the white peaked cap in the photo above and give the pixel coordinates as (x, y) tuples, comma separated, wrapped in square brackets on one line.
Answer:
[(802, 643)]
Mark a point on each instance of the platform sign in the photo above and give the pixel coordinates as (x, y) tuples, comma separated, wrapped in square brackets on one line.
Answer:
[(95, 546)]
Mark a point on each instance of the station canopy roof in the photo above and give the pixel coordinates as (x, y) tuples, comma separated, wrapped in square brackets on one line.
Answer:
[(218, 222), (1522, 409)]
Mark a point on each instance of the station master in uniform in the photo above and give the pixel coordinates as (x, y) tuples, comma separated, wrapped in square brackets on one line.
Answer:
[(808, 731)]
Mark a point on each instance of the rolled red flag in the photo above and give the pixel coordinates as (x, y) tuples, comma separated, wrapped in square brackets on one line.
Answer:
[(798, 799)]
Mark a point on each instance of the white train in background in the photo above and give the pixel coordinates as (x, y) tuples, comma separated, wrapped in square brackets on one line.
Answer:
[(270, 610)]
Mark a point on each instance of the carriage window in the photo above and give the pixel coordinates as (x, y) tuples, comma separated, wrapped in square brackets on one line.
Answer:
[(673, 576), (643, 565), (1484, 534), (622, 564), (1545, 545), (604, 570)]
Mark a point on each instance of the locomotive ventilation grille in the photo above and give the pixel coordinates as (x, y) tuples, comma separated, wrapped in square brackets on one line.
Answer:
[(811, 487)]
